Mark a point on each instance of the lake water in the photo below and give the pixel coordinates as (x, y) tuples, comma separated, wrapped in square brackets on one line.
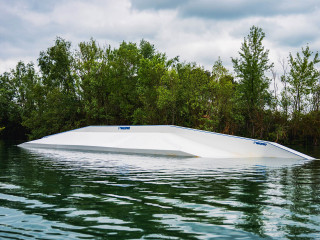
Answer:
[(48, 194)]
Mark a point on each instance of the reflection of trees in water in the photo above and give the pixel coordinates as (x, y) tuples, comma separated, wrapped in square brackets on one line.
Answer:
[(258, 200), (300, 186), (251, 196)]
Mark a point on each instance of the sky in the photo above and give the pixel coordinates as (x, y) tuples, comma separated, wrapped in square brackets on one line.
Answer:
[(197, 31)]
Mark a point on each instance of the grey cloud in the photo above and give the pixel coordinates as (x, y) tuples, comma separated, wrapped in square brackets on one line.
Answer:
[(297, 41), (157, 4), (34, 5), (20, 37), (225, 9), (233, 9), (198, 30), (24, 33), (43, 6), (12, 33), (229, 9)]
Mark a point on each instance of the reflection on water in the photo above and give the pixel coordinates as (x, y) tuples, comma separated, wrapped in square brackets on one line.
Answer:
[(51, 194)]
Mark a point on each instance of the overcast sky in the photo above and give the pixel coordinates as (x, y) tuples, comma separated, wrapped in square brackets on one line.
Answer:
[(198, 31)]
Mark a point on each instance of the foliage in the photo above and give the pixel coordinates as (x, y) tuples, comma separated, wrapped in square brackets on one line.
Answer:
[(8, 109), (302, 78), (137, 84), (253, 85), (92, 65)]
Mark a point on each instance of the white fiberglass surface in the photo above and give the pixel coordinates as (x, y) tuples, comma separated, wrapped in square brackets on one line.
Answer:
[(141, 139), (161, 141)]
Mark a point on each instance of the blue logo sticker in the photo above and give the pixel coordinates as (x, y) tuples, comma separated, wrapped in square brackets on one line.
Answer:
[(260, 143), (123, 128)]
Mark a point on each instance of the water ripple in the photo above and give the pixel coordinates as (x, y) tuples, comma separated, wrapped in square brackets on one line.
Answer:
[(50, 194)]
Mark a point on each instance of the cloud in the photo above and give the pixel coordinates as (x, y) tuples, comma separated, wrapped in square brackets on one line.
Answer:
[(157, 4), (229, 9), (198, 31)]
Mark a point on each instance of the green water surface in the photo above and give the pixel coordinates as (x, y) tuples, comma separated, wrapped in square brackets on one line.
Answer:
[(51, 194)]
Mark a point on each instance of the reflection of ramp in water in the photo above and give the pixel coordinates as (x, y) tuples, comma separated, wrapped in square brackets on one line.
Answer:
[(121, 163), (164, 140)]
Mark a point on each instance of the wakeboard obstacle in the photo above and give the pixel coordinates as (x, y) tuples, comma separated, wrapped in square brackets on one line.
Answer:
[(163, 140)]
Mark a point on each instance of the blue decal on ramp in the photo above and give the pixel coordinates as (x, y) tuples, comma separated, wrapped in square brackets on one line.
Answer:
[(260, 143), (123, 128)]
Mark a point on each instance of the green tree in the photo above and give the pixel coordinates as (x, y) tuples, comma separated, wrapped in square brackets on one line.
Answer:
[(93, 71), (124, 66), (56, 94), (56, 66), (146, 49), (24, 79), (9, 114), (285, 98), (302, 78), (316, 97), (150, 72), (253, 85), (193, 98), (222, 114), (136, 84), (168, 96)]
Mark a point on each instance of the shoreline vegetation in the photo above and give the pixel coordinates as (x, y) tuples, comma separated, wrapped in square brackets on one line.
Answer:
[(135, 84)]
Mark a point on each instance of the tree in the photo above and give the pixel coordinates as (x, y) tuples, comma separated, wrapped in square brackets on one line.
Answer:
[(146, 49), (56, 94), (136, 84), (222, 115), (302, 78), (8, 109), (194, 94), (56, 66), (124, 65), (251, 70), (24, 79), (168, 94), (93, 69), (316, 97), (150, 72), (285, 98)]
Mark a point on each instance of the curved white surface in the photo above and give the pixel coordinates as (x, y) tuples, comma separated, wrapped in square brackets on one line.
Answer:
[(164, 140)]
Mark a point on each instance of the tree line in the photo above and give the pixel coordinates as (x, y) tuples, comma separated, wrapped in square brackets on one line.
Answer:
[(135, 84)]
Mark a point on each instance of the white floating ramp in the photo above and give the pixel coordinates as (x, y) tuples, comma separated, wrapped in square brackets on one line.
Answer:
[(163, 140)]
